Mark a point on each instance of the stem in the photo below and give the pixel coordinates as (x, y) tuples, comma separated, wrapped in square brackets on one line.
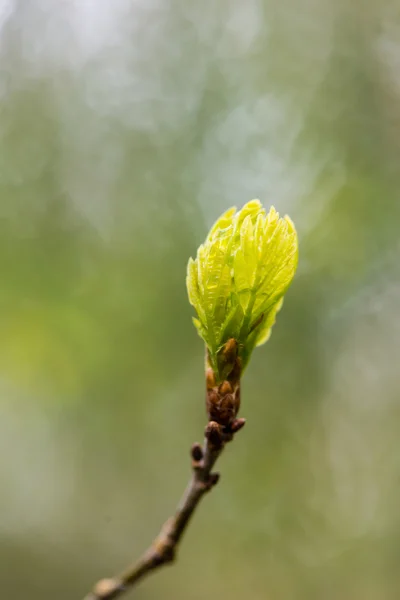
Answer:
[(163, 549)]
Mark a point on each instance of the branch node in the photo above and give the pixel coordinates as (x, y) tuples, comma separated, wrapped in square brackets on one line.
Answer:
[(107, 588), (163, 555)]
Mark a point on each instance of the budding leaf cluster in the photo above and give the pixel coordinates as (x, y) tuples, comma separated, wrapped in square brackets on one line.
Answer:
[(238, 279)]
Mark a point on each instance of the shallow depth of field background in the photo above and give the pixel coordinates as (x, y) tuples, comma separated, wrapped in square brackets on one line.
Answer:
[(126, 128)]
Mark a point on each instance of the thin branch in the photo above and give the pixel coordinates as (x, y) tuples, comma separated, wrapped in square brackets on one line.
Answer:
[(164, 548)]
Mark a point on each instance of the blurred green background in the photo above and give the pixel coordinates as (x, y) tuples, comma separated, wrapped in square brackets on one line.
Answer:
[(126, 128)]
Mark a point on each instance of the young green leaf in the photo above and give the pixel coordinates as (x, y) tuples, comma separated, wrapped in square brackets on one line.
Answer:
[(238, 279)]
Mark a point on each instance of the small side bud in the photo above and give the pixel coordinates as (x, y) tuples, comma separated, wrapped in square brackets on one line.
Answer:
[(214, 478), (237, 424), (214, 434), (196, 452)]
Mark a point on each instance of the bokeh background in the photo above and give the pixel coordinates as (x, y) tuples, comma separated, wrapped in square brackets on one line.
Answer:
[(126, 128)]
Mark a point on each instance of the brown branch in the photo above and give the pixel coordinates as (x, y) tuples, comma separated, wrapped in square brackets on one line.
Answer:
[(163, 549)]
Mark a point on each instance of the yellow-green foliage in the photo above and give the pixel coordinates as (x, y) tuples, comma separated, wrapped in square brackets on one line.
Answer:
[(241, 272)]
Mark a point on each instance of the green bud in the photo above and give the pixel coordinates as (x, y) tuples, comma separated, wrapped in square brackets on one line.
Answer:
[(239, 277)]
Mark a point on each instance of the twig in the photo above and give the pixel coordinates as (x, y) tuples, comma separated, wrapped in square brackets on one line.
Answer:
[(163, 549)]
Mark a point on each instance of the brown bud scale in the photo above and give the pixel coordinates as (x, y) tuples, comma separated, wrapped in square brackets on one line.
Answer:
[(223, 403)]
